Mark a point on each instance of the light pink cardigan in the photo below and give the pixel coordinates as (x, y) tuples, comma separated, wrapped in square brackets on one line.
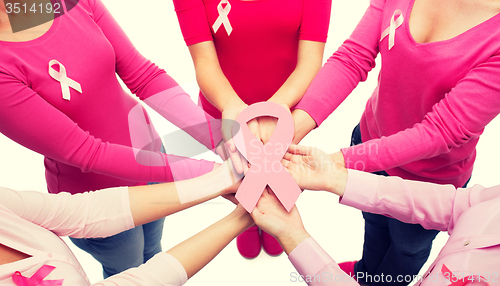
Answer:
[(471, 216), (31, 222)]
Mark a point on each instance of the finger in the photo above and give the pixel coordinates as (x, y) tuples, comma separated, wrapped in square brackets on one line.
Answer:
[(285, 163), (288, 156), (300, 150)]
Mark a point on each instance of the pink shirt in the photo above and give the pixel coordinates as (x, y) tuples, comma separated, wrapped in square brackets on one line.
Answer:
[(86, 140), (471, 216), (432, 101), (262, 49), (31, 222)]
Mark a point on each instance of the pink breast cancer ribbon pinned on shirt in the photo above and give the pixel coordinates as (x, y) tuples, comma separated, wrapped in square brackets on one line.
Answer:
[(65, 81), (391, 30), (266, 168), (37, 278), (223, 19)]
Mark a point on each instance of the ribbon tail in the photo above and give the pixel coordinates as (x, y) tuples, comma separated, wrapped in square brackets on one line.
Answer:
[(285, 188), (250, 191)]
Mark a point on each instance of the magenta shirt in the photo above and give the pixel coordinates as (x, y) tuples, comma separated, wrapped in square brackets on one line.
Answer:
[(262, 50), (86, 141), (432, 101)]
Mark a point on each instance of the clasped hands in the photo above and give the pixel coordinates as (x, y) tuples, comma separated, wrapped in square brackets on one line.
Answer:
[(310, 167)]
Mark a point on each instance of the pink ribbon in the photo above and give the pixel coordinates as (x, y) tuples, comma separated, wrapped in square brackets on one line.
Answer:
[(455, 281), (223, 19), (266, 168), (63, 78), (37, 278), (391, 30)]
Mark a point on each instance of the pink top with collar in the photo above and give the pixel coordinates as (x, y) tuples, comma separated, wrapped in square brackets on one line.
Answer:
[(87, 140), (432, 101), (471, 216), (31, 222)]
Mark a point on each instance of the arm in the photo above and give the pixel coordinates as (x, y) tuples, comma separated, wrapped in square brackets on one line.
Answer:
[(184, 260), (407, 201), (152, 85), (458, 118), (342, 72), (303, 251), (111, 211), (28, 119), (310, 56)]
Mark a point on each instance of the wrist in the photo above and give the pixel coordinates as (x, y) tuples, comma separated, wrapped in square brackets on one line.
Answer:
[(290, 240), (338, 177), (234, 102)]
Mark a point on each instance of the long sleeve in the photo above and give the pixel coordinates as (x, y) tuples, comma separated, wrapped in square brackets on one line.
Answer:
[(81, 215), (161, 270), (431, 205), (458, 118), (348, 66), (316, 267), (152, 85), (28, 119)]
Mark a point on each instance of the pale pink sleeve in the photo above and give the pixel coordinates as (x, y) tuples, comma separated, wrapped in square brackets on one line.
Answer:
[(316, 267), (348, 66), (161, 270), (92, 214), (153, 85), (431, 205), (459, 117)]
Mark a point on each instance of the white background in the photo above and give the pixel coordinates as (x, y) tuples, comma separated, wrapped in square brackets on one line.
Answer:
[(152, 25)]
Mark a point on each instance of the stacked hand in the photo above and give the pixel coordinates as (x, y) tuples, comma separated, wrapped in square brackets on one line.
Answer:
[(313, 169)]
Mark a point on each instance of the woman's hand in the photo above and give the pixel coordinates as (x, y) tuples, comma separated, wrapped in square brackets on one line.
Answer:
[(229, 116), (313, 169), (272, 217)]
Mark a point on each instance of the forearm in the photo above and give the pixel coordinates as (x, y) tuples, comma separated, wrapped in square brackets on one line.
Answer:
[(291, 240), (212, 82), (151, 202), (304, 124), (200, 249)]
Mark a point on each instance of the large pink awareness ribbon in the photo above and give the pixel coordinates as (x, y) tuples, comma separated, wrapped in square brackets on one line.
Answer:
[(266, 168), (37, 278), (223, 19), (391, 30), (455, 281)]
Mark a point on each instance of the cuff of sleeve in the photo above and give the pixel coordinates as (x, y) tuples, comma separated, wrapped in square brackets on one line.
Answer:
[(356, 157), (312, 37), (129, 219), (309, 257), (176, 265), (360, 189)]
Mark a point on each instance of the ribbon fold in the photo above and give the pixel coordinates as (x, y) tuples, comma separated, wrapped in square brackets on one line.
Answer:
[(391, 30), (223, 19), (65, 81), (266, 168), (37, 278)]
